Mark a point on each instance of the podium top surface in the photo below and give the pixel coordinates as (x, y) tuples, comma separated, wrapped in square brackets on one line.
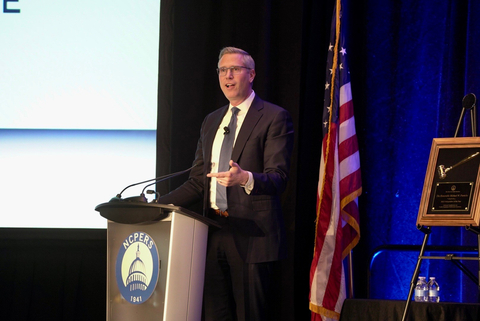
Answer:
[(135, 212)]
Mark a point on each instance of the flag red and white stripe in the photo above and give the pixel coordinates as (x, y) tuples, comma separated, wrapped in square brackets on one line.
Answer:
[(337, 219)]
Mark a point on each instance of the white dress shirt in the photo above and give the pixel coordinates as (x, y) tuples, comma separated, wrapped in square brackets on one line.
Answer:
[(217, 145)]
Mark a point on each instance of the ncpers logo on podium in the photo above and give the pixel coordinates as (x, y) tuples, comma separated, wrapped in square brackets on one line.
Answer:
[(137, 267)]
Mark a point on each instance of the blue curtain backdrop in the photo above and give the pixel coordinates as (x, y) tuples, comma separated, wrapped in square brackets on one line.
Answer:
[(414, 62)]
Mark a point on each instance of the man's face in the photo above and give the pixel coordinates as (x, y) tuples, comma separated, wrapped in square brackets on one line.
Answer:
[(236, 87)]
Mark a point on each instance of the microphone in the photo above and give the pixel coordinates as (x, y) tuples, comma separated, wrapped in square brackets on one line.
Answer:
[(226, 130), (164, 178), (142, 197), (469, 101)]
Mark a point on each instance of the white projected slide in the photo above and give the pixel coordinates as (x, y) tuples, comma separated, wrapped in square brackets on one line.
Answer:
[(78, 104)]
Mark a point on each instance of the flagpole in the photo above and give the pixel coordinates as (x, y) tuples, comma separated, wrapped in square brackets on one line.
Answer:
[(350, 275), (337, 217)]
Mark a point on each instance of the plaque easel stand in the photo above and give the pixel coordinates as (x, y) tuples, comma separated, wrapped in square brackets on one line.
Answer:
[(448, 257), (469, 102)]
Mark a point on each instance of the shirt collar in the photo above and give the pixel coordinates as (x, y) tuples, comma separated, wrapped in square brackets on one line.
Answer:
[(245, 105)]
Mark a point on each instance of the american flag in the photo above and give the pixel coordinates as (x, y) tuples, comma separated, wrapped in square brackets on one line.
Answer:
[(337, 229)]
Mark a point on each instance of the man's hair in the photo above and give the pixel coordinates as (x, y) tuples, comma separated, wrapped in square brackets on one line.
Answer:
[(247, 59)]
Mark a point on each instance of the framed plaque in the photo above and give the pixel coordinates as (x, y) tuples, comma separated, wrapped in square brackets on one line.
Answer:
[(451, 188)]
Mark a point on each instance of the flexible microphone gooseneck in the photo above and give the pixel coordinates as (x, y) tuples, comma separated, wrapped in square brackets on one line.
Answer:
[(142, 198), (161, 179)]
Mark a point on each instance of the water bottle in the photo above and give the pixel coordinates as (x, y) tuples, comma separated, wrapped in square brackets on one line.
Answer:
[(421, 290), (433, 290)]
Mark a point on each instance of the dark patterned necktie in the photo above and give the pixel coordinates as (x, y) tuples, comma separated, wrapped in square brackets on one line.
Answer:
[(225, 157)]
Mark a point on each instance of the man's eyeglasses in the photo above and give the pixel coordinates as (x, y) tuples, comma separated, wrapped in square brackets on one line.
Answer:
[(222, 71)]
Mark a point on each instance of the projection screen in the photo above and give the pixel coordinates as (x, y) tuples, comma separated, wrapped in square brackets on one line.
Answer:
[(78, 102)]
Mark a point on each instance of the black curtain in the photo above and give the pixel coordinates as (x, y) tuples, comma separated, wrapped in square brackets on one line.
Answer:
[(192, 35), (53, 274)]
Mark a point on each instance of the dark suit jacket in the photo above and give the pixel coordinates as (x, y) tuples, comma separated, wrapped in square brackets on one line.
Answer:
[(263, 147)]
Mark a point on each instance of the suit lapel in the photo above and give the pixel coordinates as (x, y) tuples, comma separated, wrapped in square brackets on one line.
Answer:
[(251, 119), (211, 131)]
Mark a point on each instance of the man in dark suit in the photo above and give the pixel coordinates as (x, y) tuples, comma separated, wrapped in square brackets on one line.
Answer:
[(240, 255)]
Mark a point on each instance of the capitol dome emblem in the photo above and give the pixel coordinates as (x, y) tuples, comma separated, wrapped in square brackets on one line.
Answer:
[(137, 267)]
